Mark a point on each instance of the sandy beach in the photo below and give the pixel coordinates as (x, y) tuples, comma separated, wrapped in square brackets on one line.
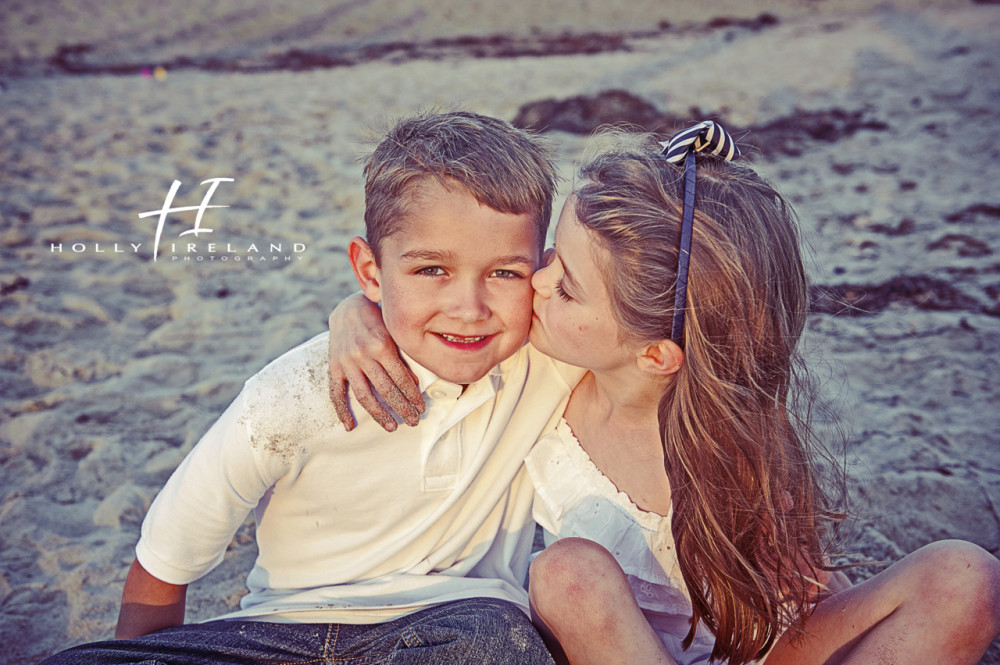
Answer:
[(122, 340)]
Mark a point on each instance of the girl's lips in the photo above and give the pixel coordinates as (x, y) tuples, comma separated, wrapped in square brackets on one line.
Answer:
[(534, 309)]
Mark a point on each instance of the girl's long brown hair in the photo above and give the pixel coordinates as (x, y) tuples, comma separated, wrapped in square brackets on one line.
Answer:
[(750, 517)]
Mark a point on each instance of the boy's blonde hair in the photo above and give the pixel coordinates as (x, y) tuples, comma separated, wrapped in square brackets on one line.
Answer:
[(505, 168)]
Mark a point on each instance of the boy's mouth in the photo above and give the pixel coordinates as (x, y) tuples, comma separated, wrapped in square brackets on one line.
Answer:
[(465, 342), (462, 339)]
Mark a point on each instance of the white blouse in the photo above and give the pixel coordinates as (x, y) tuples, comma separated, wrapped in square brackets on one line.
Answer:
[(574, 499)]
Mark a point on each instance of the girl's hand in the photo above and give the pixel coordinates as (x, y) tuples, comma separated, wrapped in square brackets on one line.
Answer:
[(836, 582), (363, 355)]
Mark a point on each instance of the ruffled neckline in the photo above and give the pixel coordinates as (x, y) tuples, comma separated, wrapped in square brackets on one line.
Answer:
[(644, 518)]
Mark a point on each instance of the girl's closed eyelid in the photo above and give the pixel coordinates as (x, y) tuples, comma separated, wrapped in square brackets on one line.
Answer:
[(561, 292)]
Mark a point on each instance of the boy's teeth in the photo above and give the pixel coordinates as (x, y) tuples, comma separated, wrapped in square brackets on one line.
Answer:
[(463, 340)]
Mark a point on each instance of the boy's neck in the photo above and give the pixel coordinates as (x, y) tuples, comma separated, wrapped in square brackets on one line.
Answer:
[(425, 377)]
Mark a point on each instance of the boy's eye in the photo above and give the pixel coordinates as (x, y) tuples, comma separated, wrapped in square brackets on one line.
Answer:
[(507, 274), (431, 271), (561, 292)]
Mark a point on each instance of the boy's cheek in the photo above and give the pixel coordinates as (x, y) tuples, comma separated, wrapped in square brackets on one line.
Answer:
[(522, 294), (521, 307)]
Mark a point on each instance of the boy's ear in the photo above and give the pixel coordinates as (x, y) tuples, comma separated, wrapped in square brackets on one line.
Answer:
[(366, 269), (662, 358), (547, 257)]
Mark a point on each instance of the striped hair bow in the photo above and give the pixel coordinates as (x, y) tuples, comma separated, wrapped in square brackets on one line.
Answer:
[(709, 137)]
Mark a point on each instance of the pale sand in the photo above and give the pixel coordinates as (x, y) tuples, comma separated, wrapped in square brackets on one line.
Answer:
[(113, 365)]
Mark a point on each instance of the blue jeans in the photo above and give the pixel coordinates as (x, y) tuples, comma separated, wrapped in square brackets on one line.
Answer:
[(476, 631)]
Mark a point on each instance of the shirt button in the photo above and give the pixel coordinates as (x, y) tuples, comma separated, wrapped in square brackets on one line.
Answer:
[(437, 393)]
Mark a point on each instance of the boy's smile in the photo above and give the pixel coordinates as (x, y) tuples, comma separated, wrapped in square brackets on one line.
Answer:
[(454, 282)]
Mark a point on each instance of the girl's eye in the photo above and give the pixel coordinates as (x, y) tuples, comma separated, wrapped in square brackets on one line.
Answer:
[(561, 292), (507, 274), (431, 271)]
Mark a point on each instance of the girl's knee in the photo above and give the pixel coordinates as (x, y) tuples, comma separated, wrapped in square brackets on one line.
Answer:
[(958, 564), (961, 579), (574, 574), (569, 563)]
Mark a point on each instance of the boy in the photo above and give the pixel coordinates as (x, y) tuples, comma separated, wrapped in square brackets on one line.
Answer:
[(372, 544)]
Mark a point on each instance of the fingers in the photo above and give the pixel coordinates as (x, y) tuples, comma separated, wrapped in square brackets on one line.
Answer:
[(362, 390), (341, 377), (397, 385), (338, 395), (402, 392), (363, 355), (839, 581)]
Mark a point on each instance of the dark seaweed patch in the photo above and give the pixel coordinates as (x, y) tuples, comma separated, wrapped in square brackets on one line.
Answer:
[(788, 135), (905, 227), (971, 214), (79, 58), (964, 244), (16, 284), (585, 113), (920, 291)]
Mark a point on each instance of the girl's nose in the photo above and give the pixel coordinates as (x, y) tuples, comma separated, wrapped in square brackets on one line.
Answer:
[(542, 280)]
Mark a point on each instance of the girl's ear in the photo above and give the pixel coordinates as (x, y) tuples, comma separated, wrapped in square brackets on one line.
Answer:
[(366, 269), (662, 358)]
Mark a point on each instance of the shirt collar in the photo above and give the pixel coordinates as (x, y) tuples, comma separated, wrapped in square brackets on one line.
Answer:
[(425, 377)]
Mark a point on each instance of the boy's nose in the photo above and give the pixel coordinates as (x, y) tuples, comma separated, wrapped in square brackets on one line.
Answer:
[(470, 303)]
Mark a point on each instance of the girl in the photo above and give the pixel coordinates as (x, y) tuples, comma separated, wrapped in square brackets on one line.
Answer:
[(684, 517)]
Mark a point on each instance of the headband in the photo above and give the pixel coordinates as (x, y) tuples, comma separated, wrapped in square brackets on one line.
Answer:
[(707, 137)]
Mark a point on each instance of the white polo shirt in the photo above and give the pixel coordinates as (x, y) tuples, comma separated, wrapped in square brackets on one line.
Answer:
[(364, 526)]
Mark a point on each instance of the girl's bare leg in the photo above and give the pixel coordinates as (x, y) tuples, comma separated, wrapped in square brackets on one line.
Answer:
[(939, 605), (581, 598)]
